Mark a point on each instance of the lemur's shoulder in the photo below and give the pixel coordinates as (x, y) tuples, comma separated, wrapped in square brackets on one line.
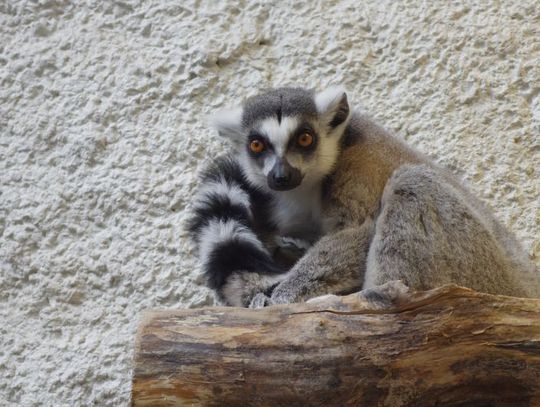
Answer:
[(369, 157)]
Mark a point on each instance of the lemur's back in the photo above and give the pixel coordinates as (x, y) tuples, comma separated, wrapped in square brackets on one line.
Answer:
[(369, 159)]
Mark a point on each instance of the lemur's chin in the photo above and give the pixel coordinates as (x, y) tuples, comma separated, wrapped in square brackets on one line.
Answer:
[(283, 187)]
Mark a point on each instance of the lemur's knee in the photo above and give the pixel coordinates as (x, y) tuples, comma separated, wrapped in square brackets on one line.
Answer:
[(410, 182)]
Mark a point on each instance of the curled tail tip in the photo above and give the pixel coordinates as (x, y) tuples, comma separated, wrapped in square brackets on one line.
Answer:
[(229, 246)]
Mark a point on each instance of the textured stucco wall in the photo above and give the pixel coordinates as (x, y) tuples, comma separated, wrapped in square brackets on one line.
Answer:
[(102, 131)]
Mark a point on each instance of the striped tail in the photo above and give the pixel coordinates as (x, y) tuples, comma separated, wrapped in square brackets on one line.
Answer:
[(235, 262)]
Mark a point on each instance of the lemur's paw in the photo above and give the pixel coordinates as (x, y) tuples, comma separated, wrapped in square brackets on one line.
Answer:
[(260, 300), (384, 296)]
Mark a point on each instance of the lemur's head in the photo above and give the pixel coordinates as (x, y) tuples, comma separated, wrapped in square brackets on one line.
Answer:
[(287, 137)]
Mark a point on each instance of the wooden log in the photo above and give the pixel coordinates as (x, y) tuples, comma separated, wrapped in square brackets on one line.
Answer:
[(446, 347)]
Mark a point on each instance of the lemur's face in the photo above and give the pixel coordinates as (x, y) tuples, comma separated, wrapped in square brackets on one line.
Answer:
[(287, 137)]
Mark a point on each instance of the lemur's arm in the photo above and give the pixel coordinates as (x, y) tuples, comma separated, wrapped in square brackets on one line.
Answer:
[(334, 265)]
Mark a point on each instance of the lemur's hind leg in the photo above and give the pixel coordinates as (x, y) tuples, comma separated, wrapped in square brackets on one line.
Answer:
[(334, 265), (427, 235)]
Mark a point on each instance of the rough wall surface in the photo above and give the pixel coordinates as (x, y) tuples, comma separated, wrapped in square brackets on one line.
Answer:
[(102, 132)]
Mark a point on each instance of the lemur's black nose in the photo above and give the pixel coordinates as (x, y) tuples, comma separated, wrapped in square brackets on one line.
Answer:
[(283, 176)]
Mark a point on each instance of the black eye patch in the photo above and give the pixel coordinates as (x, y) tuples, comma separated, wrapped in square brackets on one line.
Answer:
[(302, 129), (255, 135)]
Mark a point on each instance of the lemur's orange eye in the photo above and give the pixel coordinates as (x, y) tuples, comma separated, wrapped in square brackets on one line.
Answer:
[(305, 140), (256, 146)]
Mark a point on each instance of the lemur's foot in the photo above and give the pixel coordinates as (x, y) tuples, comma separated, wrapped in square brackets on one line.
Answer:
[(260, 300), (384, 296)]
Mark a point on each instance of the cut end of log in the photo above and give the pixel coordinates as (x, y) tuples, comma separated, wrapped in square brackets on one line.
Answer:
[(450, 346)]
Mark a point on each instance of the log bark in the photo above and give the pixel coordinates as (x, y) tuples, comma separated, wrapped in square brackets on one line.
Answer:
[(446, 347)]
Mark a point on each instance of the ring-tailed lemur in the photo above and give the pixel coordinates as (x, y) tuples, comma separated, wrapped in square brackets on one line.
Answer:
[(371, 208)]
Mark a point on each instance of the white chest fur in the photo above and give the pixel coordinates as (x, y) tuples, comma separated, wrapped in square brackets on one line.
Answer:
[(297, 213)]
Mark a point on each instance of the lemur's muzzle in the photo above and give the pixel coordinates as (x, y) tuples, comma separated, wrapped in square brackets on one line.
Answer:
[(283, 176)]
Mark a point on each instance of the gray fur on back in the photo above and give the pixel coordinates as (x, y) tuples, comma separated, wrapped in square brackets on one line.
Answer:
[(428, 234)]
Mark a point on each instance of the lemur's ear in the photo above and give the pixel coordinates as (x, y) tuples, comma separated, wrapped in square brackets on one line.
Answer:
[(333, 106), (228, 124)]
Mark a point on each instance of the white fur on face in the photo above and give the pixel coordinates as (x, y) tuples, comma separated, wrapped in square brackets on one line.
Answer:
[(324, 159), (313, 169), (252, 171), (279, 133), (269, 163)]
